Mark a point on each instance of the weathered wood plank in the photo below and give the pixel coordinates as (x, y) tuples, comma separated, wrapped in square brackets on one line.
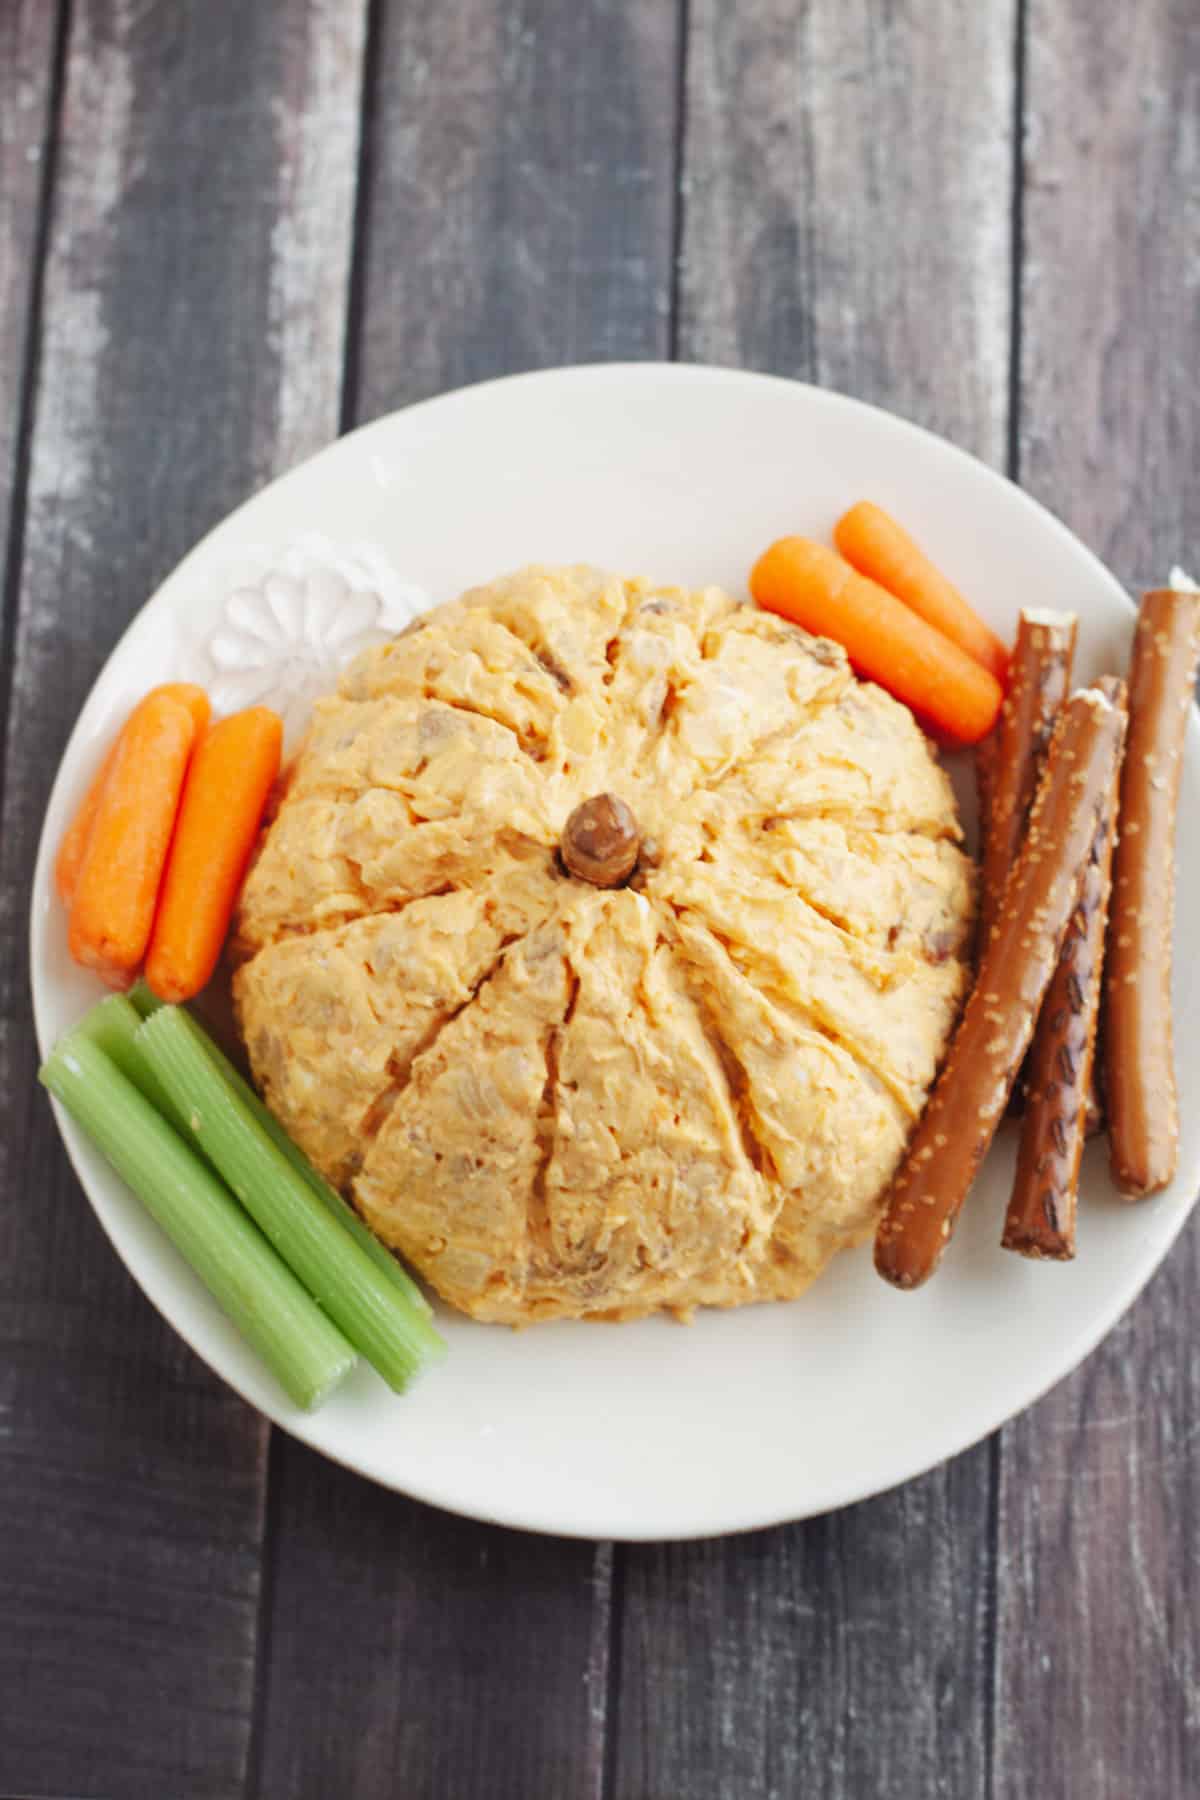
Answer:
[(522, 210), (459, 1664), (847, 175), (518, 212), (192, 338), (848, 189), (1098, 1646), (28, 41), (1110, 319), (843, 1657)]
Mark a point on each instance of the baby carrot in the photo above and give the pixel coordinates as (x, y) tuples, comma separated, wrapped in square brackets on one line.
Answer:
[(227, 787), (873, 543), (115, 894), (75, 839), (885, 641)]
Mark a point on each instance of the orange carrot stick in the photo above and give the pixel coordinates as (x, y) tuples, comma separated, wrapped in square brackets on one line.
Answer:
[(227, 788), (886, 642), (873, 543), (115, 894), (75, 839)]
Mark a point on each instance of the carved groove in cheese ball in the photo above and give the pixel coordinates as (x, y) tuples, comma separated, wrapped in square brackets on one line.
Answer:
[(687, 1084)]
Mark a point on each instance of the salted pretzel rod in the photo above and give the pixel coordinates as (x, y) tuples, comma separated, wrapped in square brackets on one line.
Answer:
[(968, 1101), (1039, 677), (1058, 1073), (985, 776), (1142, 1104)]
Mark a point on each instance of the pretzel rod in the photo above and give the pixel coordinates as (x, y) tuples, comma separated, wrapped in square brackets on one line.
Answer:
[(1039, 677), (1142, 1104), (985, 775), (1093, 1117), (1058, 1084), (985, 783), (972, 1090)]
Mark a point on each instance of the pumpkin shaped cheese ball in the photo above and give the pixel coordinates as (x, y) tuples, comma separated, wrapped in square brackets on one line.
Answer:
[(604, 947)]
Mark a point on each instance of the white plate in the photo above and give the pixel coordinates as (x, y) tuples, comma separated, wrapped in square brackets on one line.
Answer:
[(651, 1430)]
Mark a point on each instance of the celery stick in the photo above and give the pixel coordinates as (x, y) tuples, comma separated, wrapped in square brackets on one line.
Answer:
[(329, 1197), (379, 1320), (255, 1289), (146, 1003), (112, 1026), (143, 999)]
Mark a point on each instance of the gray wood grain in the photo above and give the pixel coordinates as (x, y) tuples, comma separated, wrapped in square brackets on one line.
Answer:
[(518, 211), (847, 182), (1021, 1624), (843, 1657), (847, 174), (1098, 1645), (197, 257), (28, 42), (412, 1652), (523, 192), (1110, 284)]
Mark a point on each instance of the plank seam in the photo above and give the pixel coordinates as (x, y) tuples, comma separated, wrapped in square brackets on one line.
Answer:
[(991, 1617), (612, 1697), (1017, 242), (10, 585), (268, 1570), (1016, 266), (368, 104), (347, 409), (678, 219)]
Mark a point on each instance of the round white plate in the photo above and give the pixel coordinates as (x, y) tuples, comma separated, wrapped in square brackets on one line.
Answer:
[(653, 1430)]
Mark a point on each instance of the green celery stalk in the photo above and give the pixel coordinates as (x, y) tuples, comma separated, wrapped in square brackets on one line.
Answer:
[(112, 1025), (256, 1290), (146, 1003), (143, 999), (329, 1197), (379, 1320)]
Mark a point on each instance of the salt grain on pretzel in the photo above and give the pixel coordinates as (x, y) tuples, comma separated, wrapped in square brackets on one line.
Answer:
[(1041, 1212), (1040, 896), (1142, 1105)]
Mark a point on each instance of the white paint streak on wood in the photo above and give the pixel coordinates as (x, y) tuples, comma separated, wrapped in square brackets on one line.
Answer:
[(96, 165), (597, 1675), (26, 63), (848, 202), (524, 168), (1110, 434), (318, 124)]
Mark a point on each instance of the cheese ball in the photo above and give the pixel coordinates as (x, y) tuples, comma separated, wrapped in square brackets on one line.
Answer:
[(604, 946)]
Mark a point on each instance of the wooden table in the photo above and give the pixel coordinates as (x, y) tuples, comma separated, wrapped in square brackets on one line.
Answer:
[(230, 230)]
